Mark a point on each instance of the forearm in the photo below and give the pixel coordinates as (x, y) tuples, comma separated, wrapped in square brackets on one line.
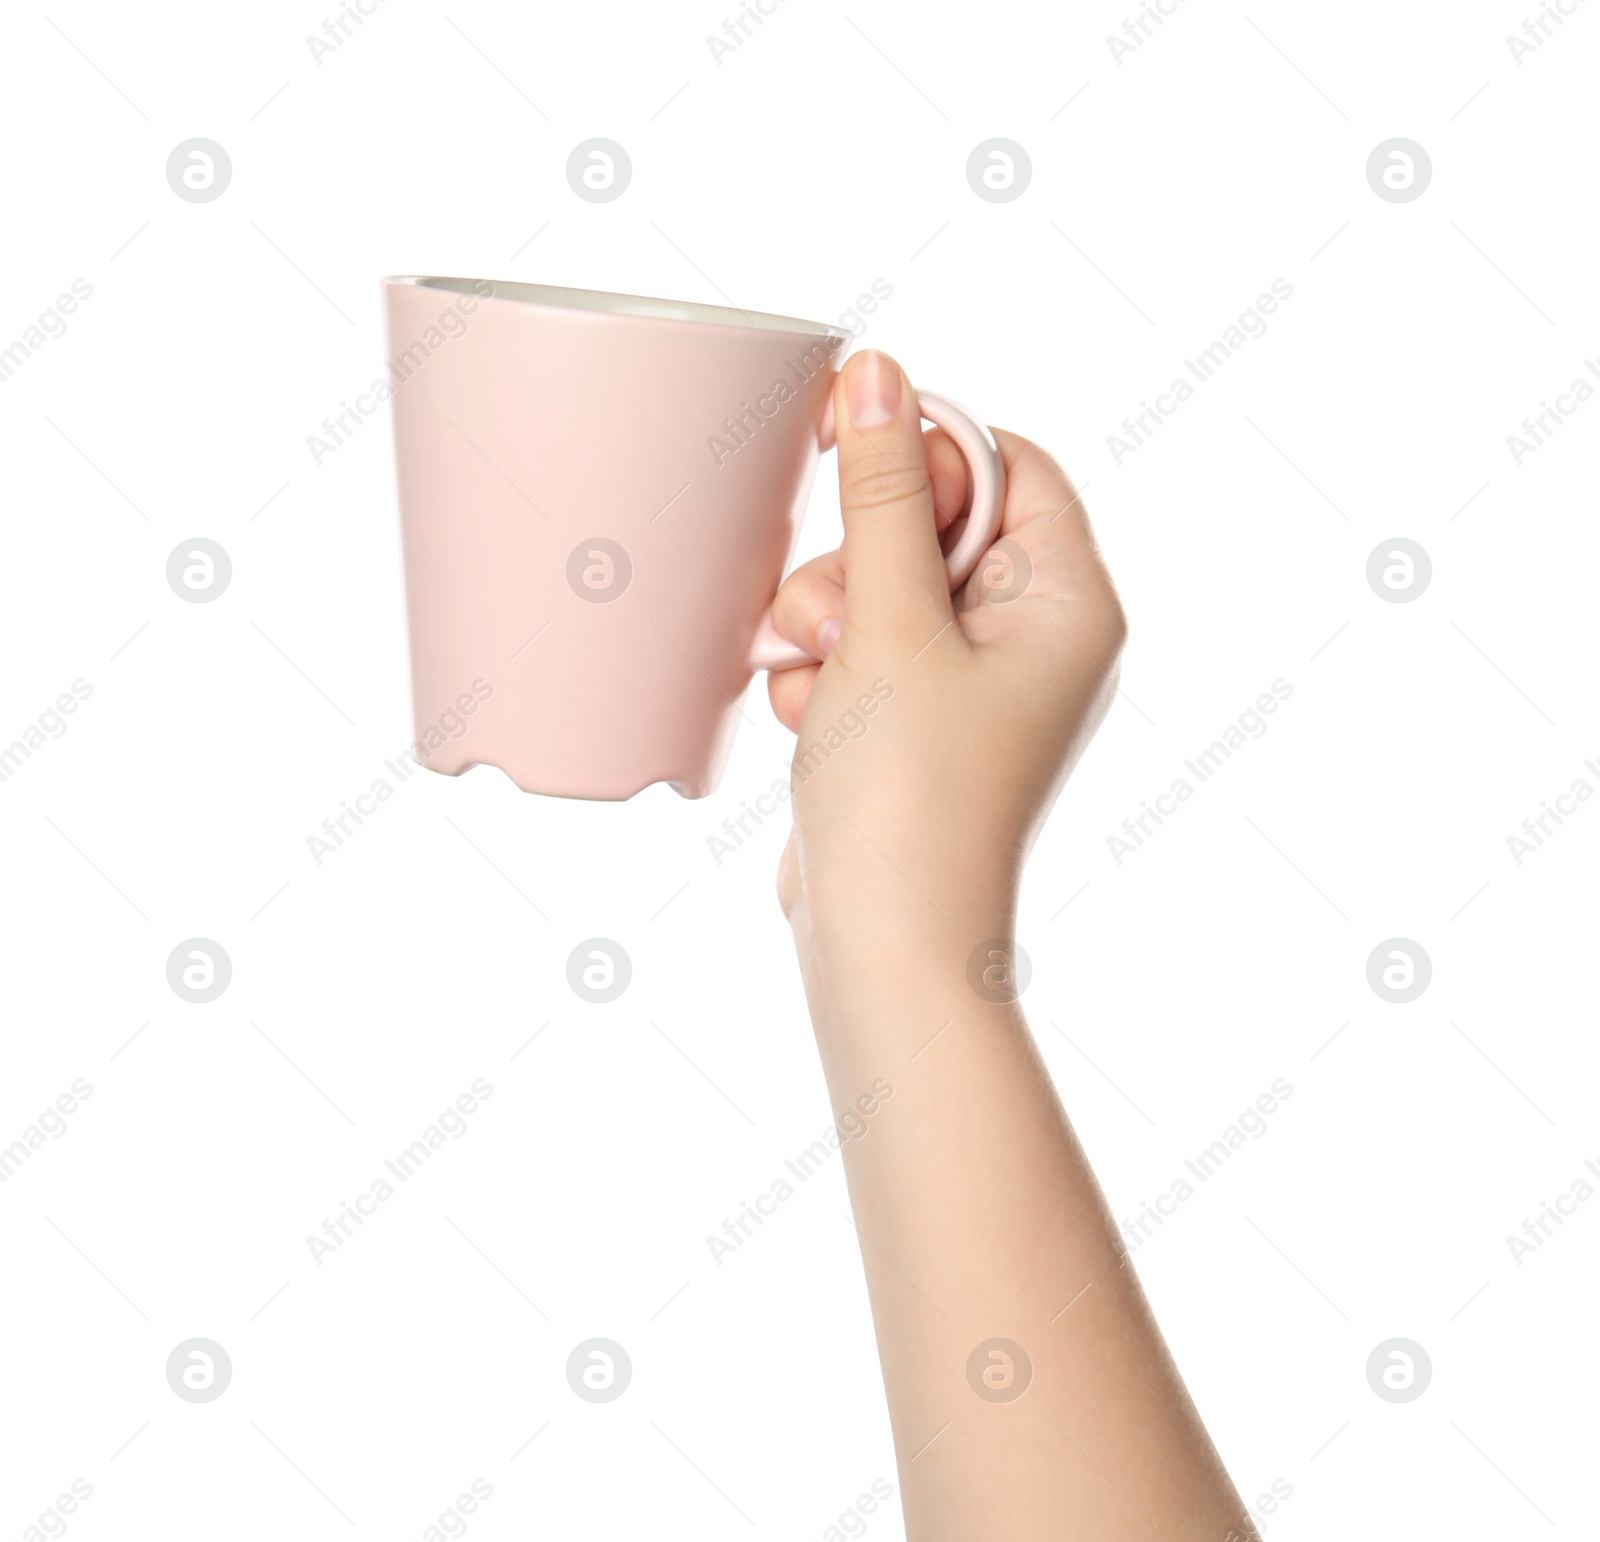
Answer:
[(981, 1220), (1029, 1389)]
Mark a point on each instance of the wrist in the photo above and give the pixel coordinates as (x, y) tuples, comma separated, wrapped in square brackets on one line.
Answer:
[(904, 901), (869, 930), (886, 981)]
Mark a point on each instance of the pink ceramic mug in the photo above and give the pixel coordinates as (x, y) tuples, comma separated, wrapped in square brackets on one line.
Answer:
[(598, 495)]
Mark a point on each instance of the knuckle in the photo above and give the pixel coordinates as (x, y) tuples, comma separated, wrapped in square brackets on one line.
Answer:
[(805, 595), (885, 483), (790, 610)]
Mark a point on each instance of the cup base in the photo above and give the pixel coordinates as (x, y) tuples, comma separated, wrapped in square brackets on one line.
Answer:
[(689, 787)]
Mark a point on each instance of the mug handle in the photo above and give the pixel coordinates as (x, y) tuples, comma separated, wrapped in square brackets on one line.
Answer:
[(987, 473)]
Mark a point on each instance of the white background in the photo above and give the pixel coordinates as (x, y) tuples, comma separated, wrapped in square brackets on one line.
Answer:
[(1167, 192)]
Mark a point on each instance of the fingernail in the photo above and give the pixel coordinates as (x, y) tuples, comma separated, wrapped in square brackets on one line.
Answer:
[(874, 390), (828, 635)]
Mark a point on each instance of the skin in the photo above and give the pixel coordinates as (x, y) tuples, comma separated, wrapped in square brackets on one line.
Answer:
[(980, 1217)]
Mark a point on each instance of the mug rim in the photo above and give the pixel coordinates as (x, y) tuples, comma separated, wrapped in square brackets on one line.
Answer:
[(602, 302)]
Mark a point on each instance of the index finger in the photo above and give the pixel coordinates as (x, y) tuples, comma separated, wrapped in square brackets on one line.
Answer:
[(1038, 488)]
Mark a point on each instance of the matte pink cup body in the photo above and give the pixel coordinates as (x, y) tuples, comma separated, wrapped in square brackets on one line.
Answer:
[(596, 508)]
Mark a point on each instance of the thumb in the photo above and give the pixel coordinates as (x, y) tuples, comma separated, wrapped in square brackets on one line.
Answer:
[(895, 583)]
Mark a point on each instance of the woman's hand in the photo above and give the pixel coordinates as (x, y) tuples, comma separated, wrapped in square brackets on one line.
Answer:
[(933, 741), (935, 737)]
